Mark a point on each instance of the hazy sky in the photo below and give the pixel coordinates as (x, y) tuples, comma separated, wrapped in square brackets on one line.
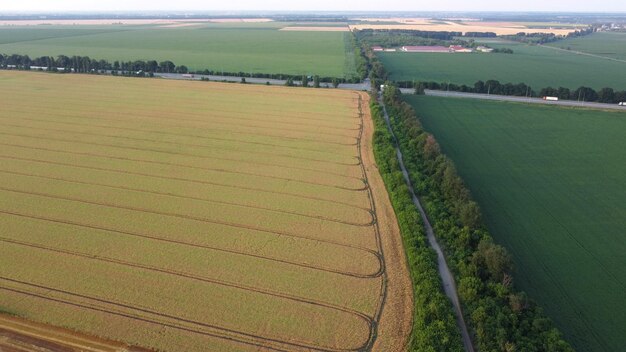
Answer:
[(329, 5)]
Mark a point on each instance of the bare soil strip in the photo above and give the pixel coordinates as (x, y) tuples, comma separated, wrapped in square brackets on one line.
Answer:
[(396, 318), (18, 334)]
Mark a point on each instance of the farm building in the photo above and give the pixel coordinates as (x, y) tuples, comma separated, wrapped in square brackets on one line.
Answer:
[(377, 48), (425, 49), (484, 49), (460, 49)]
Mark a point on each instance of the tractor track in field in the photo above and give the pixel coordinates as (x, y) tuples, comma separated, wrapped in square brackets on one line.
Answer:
[(210, 137), (217, 249), (217, 170), (370, 196), (145, 106), (236, 116), (181, 216), (189, 325), (190, 276), (232, 335), (219, 119), (183, 180), (211, 122), (192, 136), (313, 116), (181, 144), (323, 218), (277, 136), (135, 148)]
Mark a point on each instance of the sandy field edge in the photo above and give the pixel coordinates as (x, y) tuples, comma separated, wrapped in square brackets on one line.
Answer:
[(17, 333), (394, 326)]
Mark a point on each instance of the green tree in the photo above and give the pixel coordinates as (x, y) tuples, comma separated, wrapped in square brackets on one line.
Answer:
[(316, 81)]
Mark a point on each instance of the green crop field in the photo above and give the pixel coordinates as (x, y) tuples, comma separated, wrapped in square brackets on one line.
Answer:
[(551, 182), (607, 44), (188, 216), (250, 48), (536, 66)]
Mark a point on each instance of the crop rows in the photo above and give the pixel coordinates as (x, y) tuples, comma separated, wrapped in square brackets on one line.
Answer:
[(237, 228)]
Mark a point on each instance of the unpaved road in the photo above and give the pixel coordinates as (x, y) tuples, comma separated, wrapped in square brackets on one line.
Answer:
[(20, 335), (449, 285), (583, 53)]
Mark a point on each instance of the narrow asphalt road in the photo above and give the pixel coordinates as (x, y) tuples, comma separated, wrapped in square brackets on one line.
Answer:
[(440, 93), (449, 284), (366, 86), (274, 82)]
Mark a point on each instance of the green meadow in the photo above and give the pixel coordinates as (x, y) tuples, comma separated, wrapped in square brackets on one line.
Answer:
[(242, 47), (536, 66), (551, 182)]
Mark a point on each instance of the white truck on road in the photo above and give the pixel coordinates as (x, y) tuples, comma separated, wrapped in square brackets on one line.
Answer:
[(551, 98)]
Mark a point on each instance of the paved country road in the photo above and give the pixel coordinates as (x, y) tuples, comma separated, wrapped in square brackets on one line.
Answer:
[(366, 86), (440, 93), (447, 279)]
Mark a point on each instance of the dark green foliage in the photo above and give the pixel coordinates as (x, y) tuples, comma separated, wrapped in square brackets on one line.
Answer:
[(500, 318), (434, 326)]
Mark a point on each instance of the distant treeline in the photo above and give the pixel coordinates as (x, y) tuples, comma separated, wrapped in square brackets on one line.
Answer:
[(500, 317), (604, 95), (542, 38), (85, 64)]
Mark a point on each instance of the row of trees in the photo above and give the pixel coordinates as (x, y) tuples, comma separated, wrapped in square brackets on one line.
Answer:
[(85, 64), (604, 95), (542, 38), (434, 326), (500, 317), (396, 38)]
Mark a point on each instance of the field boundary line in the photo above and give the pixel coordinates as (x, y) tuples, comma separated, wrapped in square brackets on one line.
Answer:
[(226, 333), (197, 167), (196, 245), (181, 216), (174, 178), (323, 218), (190, 276), (186, 144), (193, 104), (383, 287), (198, 137)]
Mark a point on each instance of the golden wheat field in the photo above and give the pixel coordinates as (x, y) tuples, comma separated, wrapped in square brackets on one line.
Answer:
[(190, 216)]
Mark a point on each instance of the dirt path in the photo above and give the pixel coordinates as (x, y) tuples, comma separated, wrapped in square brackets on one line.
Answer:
[(18, 334), (582, 53), (396, 320), (449, 284)]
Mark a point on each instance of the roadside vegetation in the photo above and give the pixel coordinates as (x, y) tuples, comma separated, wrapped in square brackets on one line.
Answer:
[(501, 317), (583, 94), (434, 325)]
